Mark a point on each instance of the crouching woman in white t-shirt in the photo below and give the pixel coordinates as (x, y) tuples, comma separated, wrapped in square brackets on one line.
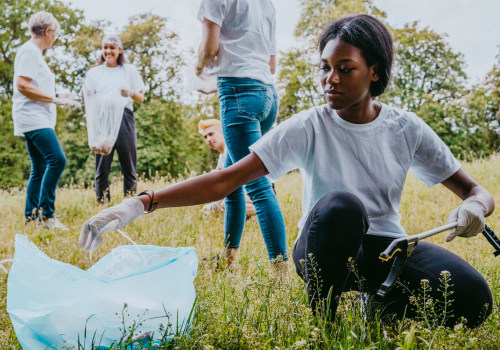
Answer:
[(34, 114), (115, 74), (354, 154)]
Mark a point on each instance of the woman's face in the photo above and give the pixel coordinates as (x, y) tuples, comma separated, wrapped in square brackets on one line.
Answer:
[(110, 53), (345, 76), (51, 36)]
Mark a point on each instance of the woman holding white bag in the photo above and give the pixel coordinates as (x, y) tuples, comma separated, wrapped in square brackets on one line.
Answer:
[(115, 75)]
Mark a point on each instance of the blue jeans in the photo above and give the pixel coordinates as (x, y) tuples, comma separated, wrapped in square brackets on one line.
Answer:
[(47, 164), (248, 110)]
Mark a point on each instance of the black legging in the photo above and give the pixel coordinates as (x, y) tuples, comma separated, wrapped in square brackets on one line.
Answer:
[(336, 231), (126, 147)]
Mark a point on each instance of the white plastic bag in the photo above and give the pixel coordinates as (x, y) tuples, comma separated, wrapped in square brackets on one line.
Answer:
[(53, 305), (104, 112)]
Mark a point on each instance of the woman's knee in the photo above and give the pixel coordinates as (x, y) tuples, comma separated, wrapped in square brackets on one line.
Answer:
[(58, 161), (474, 302), (337, 207)]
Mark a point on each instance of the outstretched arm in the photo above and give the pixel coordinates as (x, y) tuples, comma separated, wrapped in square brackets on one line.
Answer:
[(209, 187), (201, 189), (477, 204)]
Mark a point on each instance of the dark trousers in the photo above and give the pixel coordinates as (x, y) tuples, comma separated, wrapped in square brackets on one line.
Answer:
[(47, 164), (126, 147), (335, 233)]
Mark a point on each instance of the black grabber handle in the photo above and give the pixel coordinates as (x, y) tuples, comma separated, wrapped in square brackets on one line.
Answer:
[(493, 239), (402, 248)]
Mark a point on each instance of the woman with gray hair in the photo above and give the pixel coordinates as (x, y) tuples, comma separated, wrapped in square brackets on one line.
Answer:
[(34, 115)]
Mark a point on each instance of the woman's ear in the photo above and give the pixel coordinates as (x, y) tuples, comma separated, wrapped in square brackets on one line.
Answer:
[(374, 72)]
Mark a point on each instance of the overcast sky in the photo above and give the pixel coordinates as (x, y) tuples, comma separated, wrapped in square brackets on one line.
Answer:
[(472, 25)]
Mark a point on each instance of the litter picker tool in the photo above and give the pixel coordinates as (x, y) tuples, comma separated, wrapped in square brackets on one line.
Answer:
[(400, 249)]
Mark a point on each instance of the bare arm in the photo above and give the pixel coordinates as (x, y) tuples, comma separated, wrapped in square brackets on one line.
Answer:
[(209, 46), (209, 187), (272, 64), (25, 87), (464, 187)]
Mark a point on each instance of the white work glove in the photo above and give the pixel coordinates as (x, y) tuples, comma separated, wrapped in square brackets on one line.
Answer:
[(470, 218), (66, 102), (109, 219), (66, 95), (126, 92), (211, 207), (199, 81), (84, 92)]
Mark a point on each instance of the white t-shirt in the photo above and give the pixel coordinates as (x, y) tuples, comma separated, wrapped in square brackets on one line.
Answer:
[(247, 40), (28, 114), (102, 78), (221, 162), (368, 160)]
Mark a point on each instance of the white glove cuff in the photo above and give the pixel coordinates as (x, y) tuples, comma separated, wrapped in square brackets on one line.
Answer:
[(477, 201), (136, 207)]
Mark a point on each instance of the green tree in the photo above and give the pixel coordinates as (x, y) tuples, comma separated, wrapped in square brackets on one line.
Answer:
[(154, 49), (14, 16), (484, 111), (317, 14), (425, 69)]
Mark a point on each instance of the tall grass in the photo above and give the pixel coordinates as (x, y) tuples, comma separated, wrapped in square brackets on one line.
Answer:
[(251, 307)]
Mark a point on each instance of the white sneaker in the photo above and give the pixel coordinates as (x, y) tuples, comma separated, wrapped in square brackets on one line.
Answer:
[(53, 224)]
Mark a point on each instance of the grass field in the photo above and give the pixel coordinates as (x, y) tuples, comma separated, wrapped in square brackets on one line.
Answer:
[(251, 307)]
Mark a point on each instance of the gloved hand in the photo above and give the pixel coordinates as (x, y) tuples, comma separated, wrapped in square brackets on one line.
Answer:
[(207, 84), (66, 102), (211, 207), (126, 92), (66, 95), (470, 217), (109, 219), (86, 92), (199, 81)]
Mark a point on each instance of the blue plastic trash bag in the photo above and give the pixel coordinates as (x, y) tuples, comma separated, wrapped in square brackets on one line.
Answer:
[(53, 305)]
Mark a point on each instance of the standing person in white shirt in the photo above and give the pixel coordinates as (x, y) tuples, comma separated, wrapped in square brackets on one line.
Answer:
[(34, 114), (114, 73), (354, 154), (239, 47)]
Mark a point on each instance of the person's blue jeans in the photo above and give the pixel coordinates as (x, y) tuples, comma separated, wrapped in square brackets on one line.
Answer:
[(248, 110), (47, 164)]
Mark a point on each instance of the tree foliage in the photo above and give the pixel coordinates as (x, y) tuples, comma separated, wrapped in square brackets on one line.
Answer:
[(14, 16), (425, 70), (154, 49)]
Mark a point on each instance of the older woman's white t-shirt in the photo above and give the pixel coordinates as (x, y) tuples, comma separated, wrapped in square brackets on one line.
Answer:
[(247, 39), (103, 78), (370, 160), (28, 114)]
